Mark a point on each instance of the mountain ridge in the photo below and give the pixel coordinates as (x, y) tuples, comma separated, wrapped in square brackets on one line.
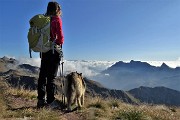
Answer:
[(131, 75), (150, 95), (25, 76)]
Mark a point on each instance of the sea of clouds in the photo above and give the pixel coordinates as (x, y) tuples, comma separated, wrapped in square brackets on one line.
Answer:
[(88, 68), (91, 68)]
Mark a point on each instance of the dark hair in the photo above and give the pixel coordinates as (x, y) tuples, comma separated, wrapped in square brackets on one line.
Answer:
[(52, 8)]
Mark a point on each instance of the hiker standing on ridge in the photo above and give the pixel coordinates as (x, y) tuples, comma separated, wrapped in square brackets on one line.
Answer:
[(50, 60)]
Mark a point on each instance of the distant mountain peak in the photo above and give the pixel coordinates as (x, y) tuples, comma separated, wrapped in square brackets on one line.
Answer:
[(5, 58), (164, 66), (132, 64), (133, 61), (9, 60), (33, 69)]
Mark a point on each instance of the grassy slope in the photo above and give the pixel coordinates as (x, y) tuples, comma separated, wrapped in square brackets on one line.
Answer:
[(20, 103)]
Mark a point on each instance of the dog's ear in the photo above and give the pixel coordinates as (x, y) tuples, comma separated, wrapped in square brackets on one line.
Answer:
[(80, 74)]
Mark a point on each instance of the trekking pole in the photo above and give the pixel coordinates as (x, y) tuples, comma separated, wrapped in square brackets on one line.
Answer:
[(61, 59), (62, 83), (61, 74)]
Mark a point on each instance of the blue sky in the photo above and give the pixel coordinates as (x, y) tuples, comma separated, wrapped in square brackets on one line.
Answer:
[(99, 29)]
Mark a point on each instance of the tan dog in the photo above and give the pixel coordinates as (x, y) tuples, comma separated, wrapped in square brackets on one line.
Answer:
[(74, 89)]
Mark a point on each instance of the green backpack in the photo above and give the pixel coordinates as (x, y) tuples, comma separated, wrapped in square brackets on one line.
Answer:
[(39, 34)]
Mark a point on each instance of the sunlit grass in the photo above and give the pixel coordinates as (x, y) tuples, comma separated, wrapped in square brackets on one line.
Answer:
[(22, 92), (130, 115), (95, 108)]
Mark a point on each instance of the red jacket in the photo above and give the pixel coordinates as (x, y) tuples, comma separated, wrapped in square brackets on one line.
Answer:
[(56, 30)]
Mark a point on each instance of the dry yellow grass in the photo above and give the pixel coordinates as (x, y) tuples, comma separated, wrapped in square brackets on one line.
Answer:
[(94, 109), (97, 108), (21, 92), (3, 106)]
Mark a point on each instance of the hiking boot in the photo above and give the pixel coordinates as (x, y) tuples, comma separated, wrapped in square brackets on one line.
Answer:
[(53, 105), (41, 103)]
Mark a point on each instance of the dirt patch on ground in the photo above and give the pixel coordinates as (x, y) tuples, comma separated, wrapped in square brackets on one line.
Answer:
[(15, 102)]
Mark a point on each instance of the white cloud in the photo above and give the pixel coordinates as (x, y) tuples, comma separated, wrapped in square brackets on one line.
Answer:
[(172, 64), (90, 68), (87, 68), (31, 61), (106, 74)]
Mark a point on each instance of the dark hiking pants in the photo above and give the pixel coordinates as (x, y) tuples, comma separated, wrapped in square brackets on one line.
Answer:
[(48, 72)]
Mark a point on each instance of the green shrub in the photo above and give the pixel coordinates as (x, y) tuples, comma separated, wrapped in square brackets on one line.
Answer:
[(98, 104), (130, 115)]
